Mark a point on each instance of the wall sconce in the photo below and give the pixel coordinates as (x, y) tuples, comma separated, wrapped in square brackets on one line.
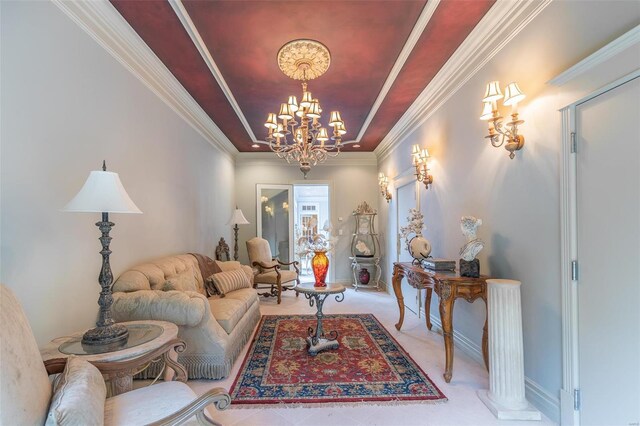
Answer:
[(285, 205), (420, 162), (264, 199), (383, 181), (498, 133), (268, 210)]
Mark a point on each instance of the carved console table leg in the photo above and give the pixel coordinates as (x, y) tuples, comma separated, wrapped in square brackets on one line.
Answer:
[(397, 289), (446, 316), (427, 306), (506, 395)]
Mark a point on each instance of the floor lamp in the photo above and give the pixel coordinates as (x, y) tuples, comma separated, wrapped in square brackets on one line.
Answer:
[(103, 193), (237, 218)]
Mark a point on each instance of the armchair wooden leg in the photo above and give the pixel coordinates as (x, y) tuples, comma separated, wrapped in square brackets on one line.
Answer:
[(279, 291)]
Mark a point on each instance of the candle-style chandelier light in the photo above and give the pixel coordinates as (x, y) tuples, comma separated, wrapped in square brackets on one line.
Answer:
[(299, 136)]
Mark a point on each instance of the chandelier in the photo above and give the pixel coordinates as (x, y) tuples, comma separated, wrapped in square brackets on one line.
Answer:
[(299, 136)]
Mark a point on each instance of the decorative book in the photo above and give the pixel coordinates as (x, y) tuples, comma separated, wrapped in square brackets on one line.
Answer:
[(436, 264)]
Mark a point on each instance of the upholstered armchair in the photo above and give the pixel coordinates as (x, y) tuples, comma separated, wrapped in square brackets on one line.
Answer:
[(268, 272), (78, 395)]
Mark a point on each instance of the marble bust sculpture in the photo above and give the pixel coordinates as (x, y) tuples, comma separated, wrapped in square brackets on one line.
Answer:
[(469, 265)]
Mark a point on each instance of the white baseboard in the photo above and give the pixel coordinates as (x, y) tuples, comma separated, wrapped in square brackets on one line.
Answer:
[(536, 394)]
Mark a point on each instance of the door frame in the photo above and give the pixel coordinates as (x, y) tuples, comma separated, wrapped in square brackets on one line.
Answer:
[(569, 252), (332, 213)]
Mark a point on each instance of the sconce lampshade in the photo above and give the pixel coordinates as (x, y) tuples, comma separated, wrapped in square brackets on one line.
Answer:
[(102, 193), (493, 92), (487, 111), (237, 218), (314, 109), (512, 94)]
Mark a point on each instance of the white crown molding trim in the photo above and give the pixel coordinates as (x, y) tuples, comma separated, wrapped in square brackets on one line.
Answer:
[(499, 26), (269, 158), (416, 32), (197, 40), (105, 25), (535, 393), (623, 42)]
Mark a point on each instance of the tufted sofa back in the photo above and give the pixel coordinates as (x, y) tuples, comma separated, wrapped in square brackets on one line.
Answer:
[(152, 275)]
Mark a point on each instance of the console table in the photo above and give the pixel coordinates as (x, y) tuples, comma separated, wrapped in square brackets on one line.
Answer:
[(449, 286)]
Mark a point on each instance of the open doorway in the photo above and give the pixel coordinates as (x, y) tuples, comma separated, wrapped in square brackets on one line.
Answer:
[(311, 217)]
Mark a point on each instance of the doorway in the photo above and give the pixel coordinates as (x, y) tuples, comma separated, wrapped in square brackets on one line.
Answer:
[(311, 217)]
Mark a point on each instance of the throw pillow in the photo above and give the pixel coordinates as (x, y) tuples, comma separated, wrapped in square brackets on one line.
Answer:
[(184, 281), (230, 281), (78, 395), (231, 265)]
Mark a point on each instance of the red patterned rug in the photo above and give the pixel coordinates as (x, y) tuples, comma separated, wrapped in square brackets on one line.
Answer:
[(368, 366)]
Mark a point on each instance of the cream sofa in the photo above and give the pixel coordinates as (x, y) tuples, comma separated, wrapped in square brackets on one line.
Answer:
[(215, 328)]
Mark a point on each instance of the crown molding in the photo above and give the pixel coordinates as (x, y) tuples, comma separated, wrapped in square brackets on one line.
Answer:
[(105, 25), (269, 158), (499, 26), (416, 32), (197, 40), (623, 42)]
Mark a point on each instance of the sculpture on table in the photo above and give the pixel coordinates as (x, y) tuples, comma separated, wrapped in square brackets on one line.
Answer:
[(469, 264), (417, 245)]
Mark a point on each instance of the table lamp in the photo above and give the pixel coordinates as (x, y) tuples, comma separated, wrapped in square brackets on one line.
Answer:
[(237, 218), (103, 193)]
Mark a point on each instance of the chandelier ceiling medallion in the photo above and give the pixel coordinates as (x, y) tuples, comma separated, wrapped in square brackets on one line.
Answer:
[(299, 136)]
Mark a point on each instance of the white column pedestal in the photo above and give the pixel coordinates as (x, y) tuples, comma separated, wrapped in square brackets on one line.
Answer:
[(505, 397)]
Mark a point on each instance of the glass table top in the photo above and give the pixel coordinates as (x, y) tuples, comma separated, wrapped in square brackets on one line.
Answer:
[(138, 335)]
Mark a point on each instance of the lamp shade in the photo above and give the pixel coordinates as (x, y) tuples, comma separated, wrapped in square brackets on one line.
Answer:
[(493, 92), (237, 218), (512, 94), (102, 193), (487, 111)]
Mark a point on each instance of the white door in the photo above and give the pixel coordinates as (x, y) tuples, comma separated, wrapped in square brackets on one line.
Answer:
[(406, 196), (608, 225)]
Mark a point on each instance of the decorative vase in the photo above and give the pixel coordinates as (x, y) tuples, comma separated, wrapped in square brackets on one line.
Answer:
[(364, 276), (320, 265)]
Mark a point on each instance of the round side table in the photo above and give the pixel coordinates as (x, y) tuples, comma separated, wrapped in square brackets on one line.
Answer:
[(317, 339), (149, 342)]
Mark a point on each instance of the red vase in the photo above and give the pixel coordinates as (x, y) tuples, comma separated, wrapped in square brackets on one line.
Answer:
[(320, 265), (364, 276)]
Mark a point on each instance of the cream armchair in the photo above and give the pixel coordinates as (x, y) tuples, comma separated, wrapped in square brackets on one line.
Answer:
[(26, 392), (268, 271)]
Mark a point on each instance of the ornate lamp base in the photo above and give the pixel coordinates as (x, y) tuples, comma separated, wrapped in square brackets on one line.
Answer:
[(107, 335)]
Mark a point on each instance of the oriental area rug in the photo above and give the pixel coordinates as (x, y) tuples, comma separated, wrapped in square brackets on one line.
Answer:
[(368, 366)]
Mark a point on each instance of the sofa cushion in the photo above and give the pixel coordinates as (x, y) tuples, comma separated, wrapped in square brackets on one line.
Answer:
[(79, 395), (148, 404), (229, 265), (226, 282), (184, 281), (152, 275), (272, 277), (227, 312), (248, 296)]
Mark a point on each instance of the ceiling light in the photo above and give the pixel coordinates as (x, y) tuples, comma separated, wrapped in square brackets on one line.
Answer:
[(299, 136), (255, 145)]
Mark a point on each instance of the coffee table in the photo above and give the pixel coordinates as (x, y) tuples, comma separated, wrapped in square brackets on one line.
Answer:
[(317, 339)]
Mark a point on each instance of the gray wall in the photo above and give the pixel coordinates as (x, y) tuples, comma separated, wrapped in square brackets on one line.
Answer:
[(66, 106), (518, 200), (349, 186)]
